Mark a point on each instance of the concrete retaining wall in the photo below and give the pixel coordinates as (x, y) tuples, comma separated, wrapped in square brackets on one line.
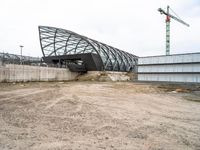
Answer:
[(172, 68), (23, 73)]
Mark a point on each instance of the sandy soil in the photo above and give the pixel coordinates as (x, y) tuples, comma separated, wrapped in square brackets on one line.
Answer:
[(98, 115)]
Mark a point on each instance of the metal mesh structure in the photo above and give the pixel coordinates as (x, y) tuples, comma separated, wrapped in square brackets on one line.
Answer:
[(56, 42), (18, 59)]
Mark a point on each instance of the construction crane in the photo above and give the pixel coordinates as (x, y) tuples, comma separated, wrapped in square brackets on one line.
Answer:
[(168, 16)]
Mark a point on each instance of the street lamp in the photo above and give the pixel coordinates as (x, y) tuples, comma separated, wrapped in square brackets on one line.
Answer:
[(21, 46)]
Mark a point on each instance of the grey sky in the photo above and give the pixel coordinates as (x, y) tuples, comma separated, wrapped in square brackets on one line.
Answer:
[(131, 25)]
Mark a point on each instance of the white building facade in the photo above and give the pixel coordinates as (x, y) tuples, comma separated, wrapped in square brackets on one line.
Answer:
[(171, 68)]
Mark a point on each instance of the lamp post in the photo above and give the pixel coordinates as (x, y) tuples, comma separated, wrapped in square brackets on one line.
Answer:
[(21, 46)]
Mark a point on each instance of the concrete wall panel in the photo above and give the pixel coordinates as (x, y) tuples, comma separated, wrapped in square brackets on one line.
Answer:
[(170, 68), (23, 73), (180, 58), (170, 77)]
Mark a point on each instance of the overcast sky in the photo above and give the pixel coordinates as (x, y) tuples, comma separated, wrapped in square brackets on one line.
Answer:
[(134, 26)]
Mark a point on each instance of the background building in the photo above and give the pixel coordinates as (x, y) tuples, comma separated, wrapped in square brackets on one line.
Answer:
[(171, 68)]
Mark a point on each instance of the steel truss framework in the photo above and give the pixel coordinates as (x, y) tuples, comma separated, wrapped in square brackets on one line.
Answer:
[(17, 59), (56, 42)]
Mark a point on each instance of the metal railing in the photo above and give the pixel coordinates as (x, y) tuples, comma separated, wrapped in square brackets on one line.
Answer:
[(7, 58)]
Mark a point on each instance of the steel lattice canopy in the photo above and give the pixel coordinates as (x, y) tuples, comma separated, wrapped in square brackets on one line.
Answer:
[(60, 42)]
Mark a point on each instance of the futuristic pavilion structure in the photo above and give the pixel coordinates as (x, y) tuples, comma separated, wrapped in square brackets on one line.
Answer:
[(81, 54)]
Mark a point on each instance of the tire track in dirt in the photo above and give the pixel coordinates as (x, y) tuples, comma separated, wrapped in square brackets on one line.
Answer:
[(28, 93)]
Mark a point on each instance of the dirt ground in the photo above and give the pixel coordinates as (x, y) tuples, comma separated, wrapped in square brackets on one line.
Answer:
[(99, 115)]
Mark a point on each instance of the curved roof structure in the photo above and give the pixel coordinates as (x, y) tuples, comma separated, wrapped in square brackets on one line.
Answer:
[(58, 42)]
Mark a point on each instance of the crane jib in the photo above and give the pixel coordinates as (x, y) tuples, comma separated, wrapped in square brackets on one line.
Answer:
[(168, 17)]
